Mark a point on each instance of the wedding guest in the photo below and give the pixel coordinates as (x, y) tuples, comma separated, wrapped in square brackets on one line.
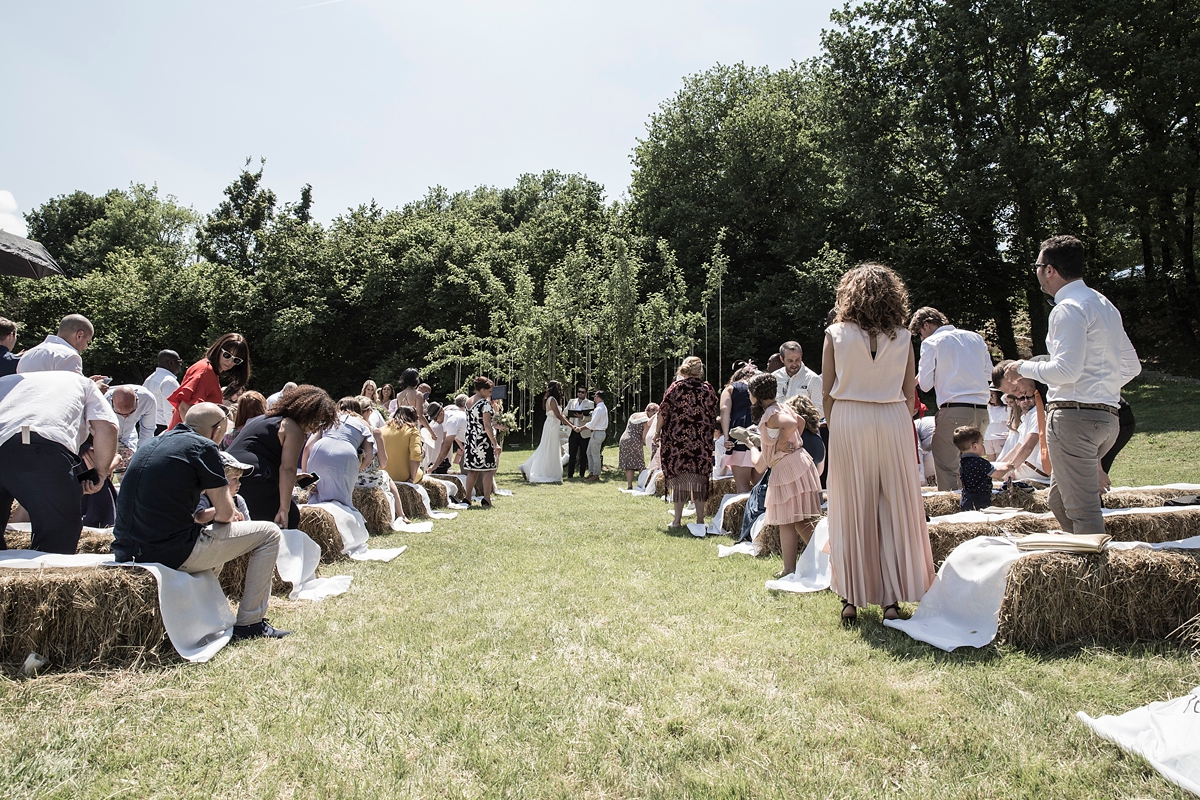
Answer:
[(402, 442), (997, 429), (156, 516), (736, 413), (793, 500), (62, 351), (878, 539), (163, 383), (369, 391), (228, 357), (956, 365), (974, 470), (274, 398), (436, 416), (251, 404), (810, 428), (272, 444), (794, 377), (632, 452), (44, 418), (8, 340), (337, 454), (408, 393), (454, 428), (482, 452), (387, 400), (688, 415)]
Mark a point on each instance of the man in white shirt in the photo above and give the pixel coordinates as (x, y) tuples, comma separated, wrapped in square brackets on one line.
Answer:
[(1090, 360), (454, 429), (163, 384), (794, 378), (62, 351), (1023, 461), (956, 365), (44, 418), (273, 399), (596, 430), (579, 413), (137, 408)]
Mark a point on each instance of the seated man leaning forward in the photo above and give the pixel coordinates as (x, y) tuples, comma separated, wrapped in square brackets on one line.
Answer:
[(157, 502)]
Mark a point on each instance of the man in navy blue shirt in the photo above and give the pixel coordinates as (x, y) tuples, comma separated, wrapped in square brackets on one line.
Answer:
[(8, 340), (155, 510)]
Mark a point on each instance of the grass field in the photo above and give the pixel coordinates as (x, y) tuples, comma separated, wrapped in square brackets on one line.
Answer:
[(565, 645)]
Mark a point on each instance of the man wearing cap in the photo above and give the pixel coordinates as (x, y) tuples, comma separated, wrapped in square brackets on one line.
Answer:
[(956, 365), (156, 515), (1090, 359), (163, 383)]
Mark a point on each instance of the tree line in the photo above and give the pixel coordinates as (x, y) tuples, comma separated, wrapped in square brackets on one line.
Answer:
[(946, 139)]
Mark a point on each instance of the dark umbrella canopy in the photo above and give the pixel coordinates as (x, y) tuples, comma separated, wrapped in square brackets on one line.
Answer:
[(25, 258)]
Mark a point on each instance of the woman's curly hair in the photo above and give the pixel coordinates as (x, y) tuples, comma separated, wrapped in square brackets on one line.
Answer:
[(762, 388), (310, 407), (806, 410), (873, 297)]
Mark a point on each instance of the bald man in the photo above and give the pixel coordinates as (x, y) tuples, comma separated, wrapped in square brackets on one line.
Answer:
[(156, 508), (138, 409), (163, 384), (62, 351)]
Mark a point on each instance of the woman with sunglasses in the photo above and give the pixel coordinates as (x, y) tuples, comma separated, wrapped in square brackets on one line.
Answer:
[(228, 358)]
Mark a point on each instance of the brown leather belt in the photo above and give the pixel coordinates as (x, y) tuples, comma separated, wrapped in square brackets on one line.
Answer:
[(1059, 405)]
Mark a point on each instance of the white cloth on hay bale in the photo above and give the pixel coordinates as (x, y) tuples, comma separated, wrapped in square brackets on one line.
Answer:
[(718, 519), (813, 573), (429, 510), (353, 529), (1166, 734), (297, 563), (195, 612), (749, 548), (962, 608)]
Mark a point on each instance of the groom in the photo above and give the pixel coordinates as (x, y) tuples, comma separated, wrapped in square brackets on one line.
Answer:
[(598, 428), (579, 413)]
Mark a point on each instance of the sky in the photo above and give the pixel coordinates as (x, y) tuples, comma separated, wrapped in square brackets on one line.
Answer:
[(364, 99)]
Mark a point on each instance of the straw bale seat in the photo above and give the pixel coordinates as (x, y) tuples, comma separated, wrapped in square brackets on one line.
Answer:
[(233, 579), (1114, 597), (735, 512), (320, 527), (439, 497), (1153, 528), (716, 492), (105, 617), (410, 501), (90, 541), (768, 541), (372, 502), (1038, 500)]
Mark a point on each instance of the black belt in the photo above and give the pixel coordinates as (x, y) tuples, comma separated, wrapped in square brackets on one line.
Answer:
[(1059, 405), (963, 405)]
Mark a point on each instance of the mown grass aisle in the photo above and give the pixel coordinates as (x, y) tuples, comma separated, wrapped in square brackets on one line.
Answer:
[(564, 645)]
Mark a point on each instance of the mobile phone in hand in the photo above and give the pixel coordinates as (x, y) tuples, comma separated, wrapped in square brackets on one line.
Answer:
[(307, 480)]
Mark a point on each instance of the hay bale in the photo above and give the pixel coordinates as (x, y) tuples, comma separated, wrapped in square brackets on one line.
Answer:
[(320, 527), (768, 541), (941, 504), (301, 496), (410, 501), (735, 512), (660, 486), (1141, 498), (716, 491), (1189, 633), (90, 541), (372, 503), (1114, 597), (233, 579), (439, 497), (91, 617), (1168, 526)]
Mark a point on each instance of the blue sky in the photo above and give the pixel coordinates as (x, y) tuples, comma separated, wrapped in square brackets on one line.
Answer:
[(364, 99)]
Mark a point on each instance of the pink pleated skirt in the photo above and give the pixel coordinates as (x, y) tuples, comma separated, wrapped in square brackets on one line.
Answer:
[(738, 458), (794, 492), (878, 539)]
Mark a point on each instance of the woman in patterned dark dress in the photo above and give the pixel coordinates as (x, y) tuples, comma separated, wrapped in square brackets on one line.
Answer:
[(687, 417), (482, 452)]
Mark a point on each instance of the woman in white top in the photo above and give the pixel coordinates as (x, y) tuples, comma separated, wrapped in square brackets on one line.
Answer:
[(878, 540), (545, 465)]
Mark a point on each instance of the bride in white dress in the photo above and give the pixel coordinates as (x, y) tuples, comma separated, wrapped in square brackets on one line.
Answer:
[(545, 465)]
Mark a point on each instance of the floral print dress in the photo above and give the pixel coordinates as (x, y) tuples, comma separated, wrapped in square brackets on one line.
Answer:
[(479, 456), (687, 417)]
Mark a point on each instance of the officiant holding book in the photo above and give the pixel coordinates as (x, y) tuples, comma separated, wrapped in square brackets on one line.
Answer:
[(579, 414)]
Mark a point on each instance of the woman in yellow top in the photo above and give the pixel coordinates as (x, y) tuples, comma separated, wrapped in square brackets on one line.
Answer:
[(402, 442)]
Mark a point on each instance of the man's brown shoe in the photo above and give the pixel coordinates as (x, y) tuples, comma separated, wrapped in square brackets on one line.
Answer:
[(592, 478)]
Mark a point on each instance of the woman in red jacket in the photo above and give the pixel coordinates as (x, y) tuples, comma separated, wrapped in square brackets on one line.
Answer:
[(228, 357)]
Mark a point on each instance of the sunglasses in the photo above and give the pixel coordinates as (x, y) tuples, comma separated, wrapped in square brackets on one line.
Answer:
[(1023, 398), (231, 357)]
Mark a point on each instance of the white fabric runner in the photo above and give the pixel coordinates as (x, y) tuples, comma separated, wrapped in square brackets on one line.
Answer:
[(718, 519), (195, 613), (425, 502), (1165, 734), (813, 573), (297, 563), (962, 608), (424, 526), (739, 549), (353, 528)]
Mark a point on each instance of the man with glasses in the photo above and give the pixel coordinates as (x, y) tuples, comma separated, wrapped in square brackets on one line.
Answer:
[(1090, 358), (579, 414), (956, 365)]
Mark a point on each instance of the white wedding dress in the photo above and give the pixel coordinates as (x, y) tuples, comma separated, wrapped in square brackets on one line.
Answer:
[(545, 465)]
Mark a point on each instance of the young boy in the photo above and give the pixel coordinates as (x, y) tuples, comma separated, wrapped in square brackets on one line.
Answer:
[(974, 470), (234, 470)]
